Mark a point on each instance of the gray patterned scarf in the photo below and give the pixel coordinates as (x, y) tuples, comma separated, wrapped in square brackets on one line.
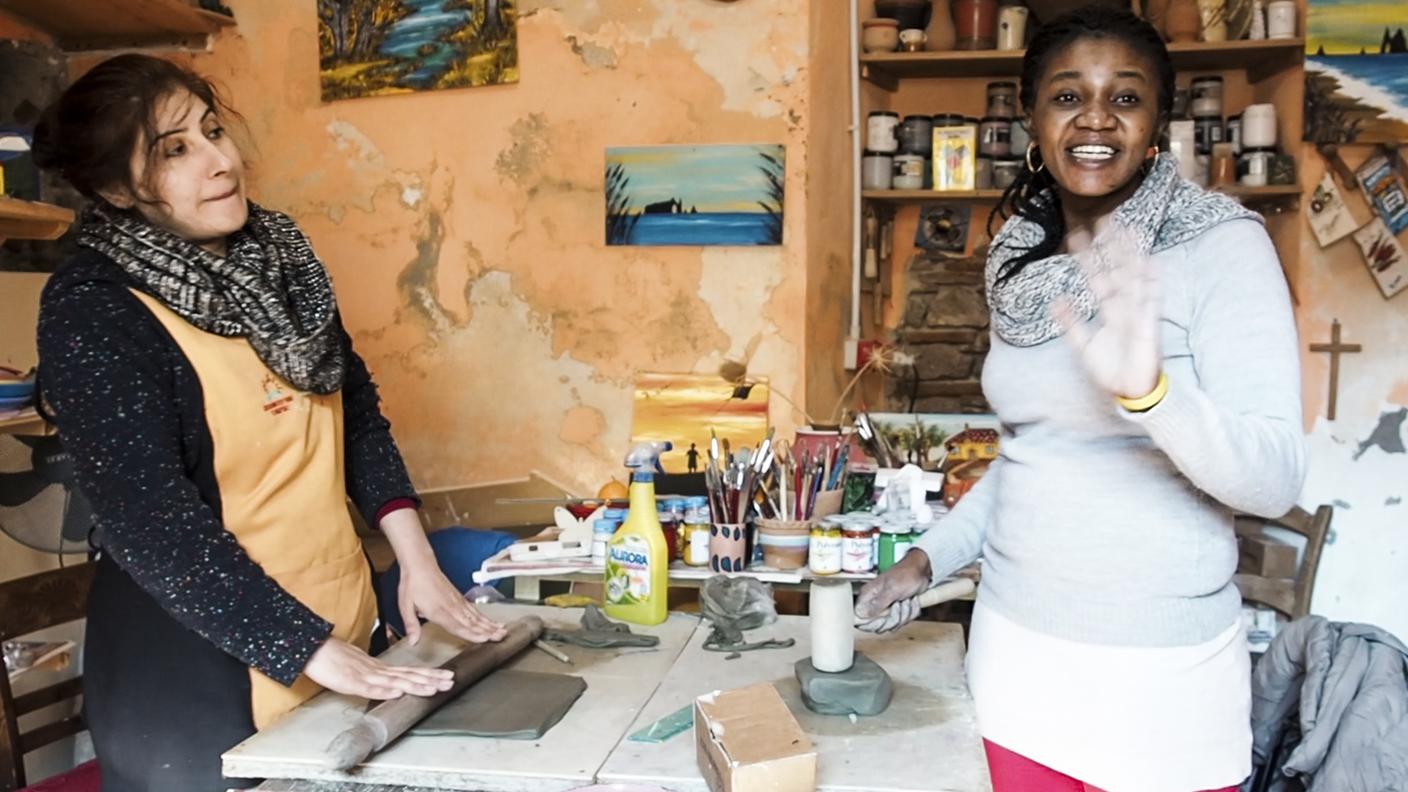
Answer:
[(1164, 212), (269, 288)]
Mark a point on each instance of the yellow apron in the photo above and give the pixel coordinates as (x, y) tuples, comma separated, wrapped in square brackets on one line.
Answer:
[(279, 466)]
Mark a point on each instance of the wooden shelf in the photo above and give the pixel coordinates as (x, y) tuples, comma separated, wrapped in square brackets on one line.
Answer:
[(32, 220), (27, 422), (77, 25), (1257, 58), (925, 196), (1269, 193)]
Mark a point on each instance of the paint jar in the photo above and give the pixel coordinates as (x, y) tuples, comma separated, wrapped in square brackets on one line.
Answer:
[(824, 548), (1206, 133), (1005, 170), (696, 531), (1181, 136), (977, 24), (1002, 100), (1281, 19), (1254, 164), (1233, 133), (908, 172), (983, 174), (895, 540), (880, 131), (784, 542), (955, 158), (602, 531), (1012, 25), (1259, 126), (1223, 170), (876, 171), (670, 522), (728, 547), (917, 135), (831, 613), (1205, 97), (856, 550), (995, 137)]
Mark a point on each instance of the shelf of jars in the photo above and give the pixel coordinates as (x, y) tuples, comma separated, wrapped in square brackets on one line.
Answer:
[(78, 25), (1258, 59)]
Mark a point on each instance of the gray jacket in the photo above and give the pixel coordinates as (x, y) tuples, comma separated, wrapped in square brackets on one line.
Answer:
[(1330, 710)]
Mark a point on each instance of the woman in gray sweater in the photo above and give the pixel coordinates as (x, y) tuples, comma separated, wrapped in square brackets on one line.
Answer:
[(1144, 366)]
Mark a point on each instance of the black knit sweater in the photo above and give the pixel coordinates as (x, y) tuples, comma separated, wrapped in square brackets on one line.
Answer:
[(129, 408)]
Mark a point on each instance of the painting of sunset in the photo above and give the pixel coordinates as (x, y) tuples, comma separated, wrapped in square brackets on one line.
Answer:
[(682, 408)]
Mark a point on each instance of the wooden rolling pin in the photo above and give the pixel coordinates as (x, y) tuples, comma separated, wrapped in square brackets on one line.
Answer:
[(947, 590), (390, 719)]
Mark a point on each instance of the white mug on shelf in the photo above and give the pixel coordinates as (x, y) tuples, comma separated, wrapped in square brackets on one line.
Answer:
[(1281, 19)]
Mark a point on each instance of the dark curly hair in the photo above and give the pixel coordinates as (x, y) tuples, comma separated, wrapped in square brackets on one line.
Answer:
[(1033, 196)]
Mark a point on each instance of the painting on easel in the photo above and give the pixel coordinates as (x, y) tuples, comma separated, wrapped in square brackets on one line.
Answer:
[(381, 47), (694, 195), (1356, 71)]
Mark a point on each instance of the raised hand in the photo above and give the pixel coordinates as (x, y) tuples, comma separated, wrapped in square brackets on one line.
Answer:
[(1120, 347)]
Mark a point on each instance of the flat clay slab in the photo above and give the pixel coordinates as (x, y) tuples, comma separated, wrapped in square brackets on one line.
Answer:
[(507, 704)]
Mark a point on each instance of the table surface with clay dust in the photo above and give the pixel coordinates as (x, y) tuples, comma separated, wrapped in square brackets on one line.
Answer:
[(927, 739), (619, 683)]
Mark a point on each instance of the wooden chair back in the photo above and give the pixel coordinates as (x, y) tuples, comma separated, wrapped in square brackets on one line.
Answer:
[(27, 605), (1291, 596)]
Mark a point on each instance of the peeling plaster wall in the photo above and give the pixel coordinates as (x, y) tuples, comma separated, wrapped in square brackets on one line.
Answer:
[(1357, 462), (464, 228)]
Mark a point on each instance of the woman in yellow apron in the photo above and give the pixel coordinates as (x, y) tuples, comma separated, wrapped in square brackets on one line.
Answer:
[(193, 358)]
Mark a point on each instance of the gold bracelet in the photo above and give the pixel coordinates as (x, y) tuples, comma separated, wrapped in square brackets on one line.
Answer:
[(1148, 401)]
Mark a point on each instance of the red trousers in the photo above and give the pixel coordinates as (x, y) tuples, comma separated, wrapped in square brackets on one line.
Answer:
[(1012, 772)]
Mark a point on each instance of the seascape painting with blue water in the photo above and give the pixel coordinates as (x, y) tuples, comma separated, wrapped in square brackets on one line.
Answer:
[(380, 47), (694, 195), (1356, 71)]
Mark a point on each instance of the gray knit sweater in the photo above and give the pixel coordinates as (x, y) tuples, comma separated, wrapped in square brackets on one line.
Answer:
[(1102, 526)]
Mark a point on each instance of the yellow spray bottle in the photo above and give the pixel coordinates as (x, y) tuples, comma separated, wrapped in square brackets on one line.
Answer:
[(637, 558)]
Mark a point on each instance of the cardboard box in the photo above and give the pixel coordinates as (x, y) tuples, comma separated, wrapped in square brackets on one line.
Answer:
[(746, 740)]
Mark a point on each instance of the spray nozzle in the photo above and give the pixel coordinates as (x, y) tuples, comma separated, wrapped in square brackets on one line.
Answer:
[(644, 458)]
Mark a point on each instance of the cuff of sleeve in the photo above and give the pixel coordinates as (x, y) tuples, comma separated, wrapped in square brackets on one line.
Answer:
[(395, 504), (945, 557), (285, 663), (1179, 411)]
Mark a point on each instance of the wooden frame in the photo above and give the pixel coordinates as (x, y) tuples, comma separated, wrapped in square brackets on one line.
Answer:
[(29, 604)]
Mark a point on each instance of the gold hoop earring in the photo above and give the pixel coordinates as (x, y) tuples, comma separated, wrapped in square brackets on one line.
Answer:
[(1035, 169)]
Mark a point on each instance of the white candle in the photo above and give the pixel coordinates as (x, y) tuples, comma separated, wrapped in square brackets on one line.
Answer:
[(833, 626)]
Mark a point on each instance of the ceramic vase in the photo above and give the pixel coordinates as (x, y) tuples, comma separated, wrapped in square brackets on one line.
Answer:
[(1183, 22), (1156, 12), (942, 35)]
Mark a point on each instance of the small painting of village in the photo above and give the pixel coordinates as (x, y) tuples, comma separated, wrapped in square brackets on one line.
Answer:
[(381, 47), (1356, 71), (694, 195)]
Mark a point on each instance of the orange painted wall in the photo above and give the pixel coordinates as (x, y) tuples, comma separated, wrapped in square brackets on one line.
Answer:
[(464, 228)]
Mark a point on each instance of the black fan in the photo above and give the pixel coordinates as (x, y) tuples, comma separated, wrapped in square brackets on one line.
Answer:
[(40, 505)]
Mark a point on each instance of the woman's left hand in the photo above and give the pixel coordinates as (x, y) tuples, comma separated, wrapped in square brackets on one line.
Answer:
[(1120, 349), (425, 591)]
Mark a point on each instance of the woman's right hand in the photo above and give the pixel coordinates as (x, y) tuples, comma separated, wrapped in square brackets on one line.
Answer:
[(343, 668), (888, 602)]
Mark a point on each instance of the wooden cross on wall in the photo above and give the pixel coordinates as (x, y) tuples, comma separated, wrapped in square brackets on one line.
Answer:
[(1335, 348)]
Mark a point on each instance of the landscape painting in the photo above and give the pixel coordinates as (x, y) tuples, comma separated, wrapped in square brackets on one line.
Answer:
[(694, 195), (686, 408), (1356, 71), (380, 47)]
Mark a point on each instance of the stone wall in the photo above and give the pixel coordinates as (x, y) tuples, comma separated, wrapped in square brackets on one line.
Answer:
[(945, 328)]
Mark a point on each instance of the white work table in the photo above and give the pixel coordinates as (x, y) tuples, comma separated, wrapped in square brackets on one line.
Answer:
[(619, 683), (927, 741)]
